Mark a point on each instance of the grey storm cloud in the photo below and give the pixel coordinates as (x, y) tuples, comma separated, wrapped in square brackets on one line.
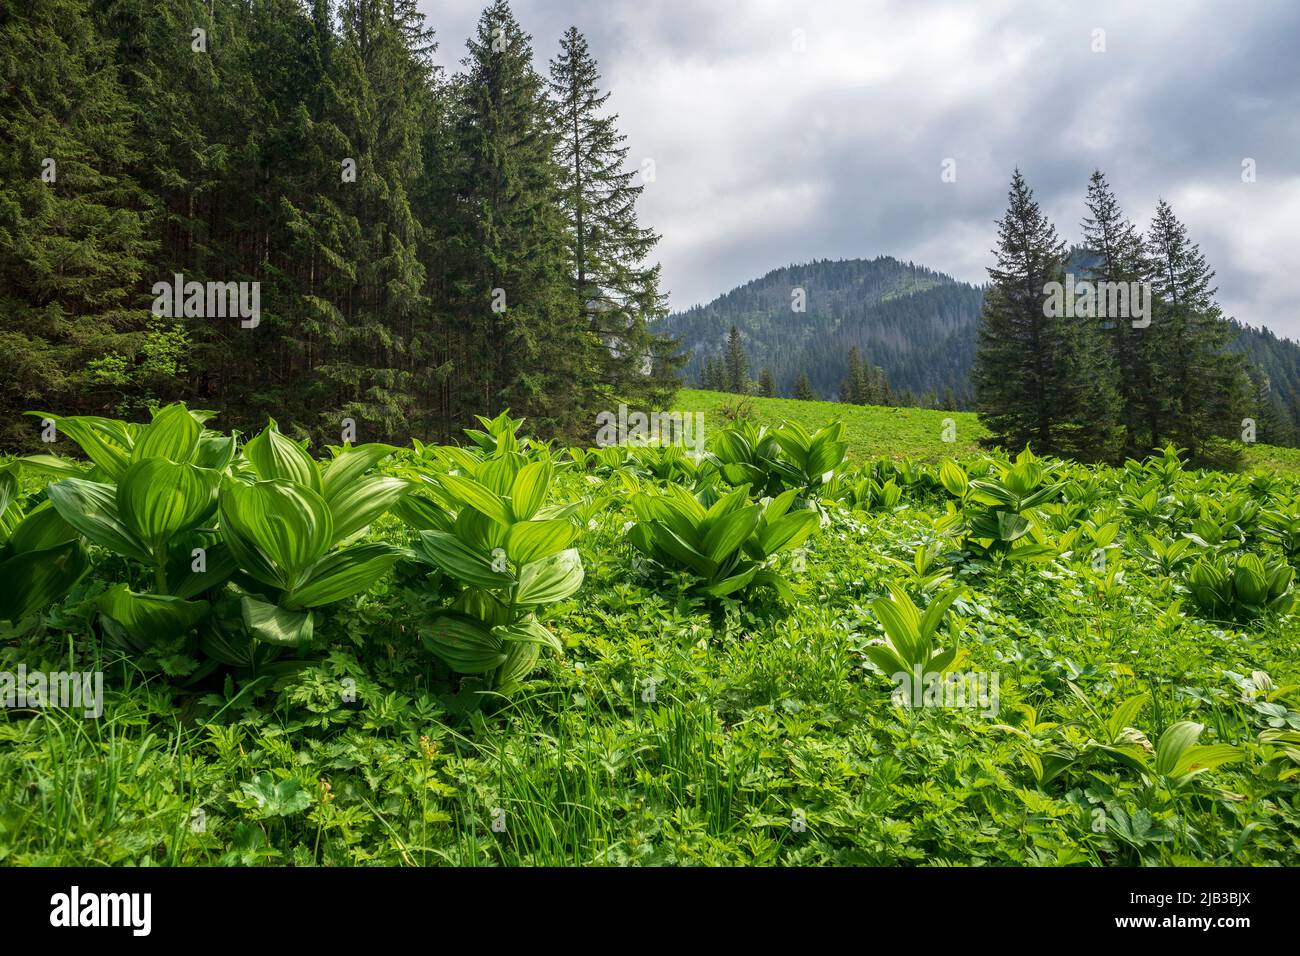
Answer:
[(787, 131)]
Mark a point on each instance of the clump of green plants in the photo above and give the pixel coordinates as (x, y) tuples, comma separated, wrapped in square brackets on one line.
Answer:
[(912, 644), (787, 457), (505, 553), (292, 526), (151, 500), (262, 537), (1245, 586), (998, 511), (727, 547)]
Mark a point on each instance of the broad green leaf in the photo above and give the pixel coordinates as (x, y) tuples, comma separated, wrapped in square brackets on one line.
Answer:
[(151, 618), (528, 492), (464, 643), (274, 456), (52, 465), (274, 624), (33, 580), (788, 531), (462, 562), (1125, 714), (215, 451), (528, 541), (91, 508), (157, 498), (935, 611), (343, 574), (887, 660), (173, 435), (529, 630), (1198, 759), (903, 629), (219, 561), (742, 578), (681, 552), (8, 489), (769, 578), (361, 501), (42, 529), (480, 498), (731, 531), (105, 441), (288, 523), (521, 660), (953, 479), (349, 465), (1174, 743), (549, 580), (422, 514)]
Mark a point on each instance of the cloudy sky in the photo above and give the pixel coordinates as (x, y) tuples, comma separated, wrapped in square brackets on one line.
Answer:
[(786, 131)]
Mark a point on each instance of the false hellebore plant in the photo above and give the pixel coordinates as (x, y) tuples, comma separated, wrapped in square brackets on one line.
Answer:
[(293, 526), (726, 546), (150, 498), (507, 556), (259, 539)]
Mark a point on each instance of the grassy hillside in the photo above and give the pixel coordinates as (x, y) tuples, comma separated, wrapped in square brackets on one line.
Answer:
[(869, 429), (906, 432)]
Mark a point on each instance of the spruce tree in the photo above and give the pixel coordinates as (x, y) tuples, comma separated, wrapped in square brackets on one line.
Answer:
[(714, 378), (737, 364), (767, 383), (802, 389), (616, 290), (1203, 386), (1114, 254), (856, 388), (525, 344), (1040, 379)]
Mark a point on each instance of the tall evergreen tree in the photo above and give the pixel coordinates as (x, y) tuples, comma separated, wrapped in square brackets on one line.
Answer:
[(1114, 254), (617, 292), (1203, 386), (737, 363), (516, 309), (857, 386), (714, 376), (1040, 378), (803, 389)]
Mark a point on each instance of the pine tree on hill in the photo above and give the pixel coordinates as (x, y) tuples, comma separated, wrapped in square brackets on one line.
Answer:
[(802, 389), (737, 364), (767, 383), (1040, 379), (714, 376), (1116, 255), (1204, 386)]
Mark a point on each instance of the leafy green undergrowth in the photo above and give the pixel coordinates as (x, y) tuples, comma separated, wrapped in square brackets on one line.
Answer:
[(1130, 726)]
